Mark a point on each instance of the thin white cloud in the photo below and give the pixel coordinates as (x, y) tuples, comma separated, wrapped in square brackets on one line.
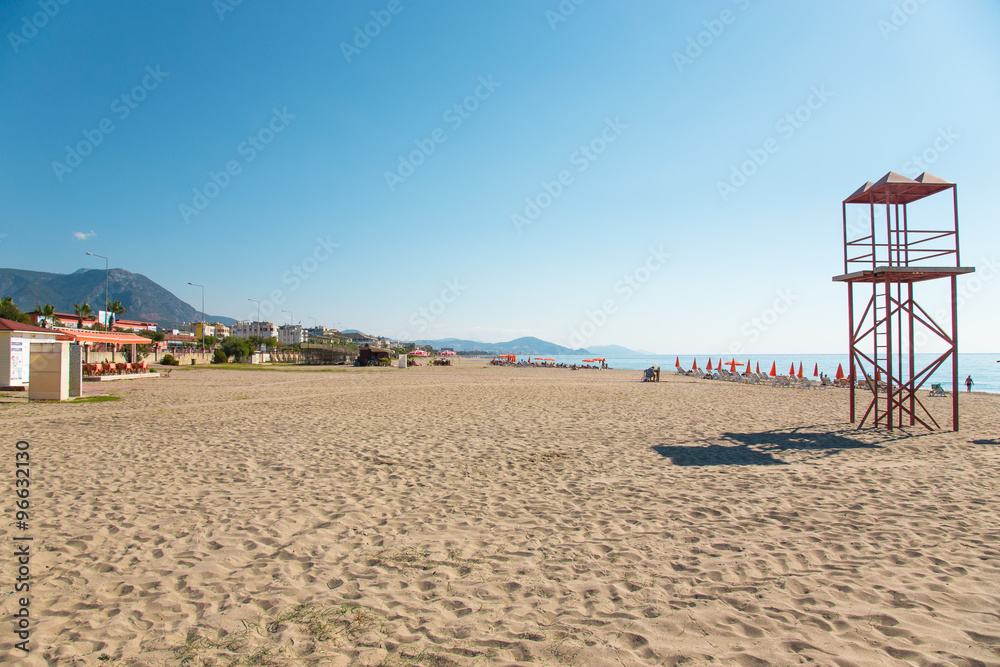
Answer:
[(83, 236)]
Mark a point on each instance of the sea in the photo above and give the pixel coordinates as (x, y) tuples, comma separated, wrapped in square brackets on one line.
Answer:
[(984, 368)]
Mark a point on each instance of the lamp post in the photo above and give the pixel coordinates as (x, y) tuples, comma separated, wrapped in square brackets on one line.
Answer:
[(258, 314), (202, 316), (290, 318), (105, 283)]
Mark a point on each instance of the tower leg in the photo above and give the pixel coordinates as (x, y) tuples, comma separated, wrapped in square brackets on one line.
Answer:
[(850, 343), (909, 303), (954, 353)]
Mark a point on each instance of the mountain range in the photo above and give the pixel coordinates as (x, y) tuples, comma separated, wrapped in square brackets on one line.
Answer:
[(142, 298), (529, 345)]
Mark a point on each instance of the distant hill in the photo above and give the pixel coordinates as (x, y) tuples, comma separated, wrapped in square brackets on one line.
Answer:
[(526, 345), (142, 298), (617, 351)]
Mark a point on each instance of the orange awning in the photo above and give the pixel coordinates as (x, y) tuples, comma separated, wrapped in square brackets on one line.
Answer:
[(108, 337)]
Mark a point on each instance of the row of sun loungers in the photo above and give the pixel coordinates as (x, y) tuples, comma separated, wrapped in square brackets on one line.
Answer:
[(754, 378)]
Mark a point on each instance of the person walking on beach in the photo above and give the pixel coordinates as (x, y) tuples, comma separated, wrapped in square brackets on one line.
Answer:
[(968, 384)]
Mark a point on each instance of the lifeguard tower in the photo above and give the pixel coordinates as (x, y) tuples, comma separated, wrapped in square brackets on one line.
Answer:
[(891, 257)]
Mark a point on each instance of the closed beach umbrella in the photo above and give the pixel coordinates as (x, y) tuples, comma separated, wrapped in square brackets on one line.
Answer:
[(774, 370), (748, 365), (816, 371), (677, 364), (800, 371), (758, 368), (709, 367), (840, 372), (694, 365), (719, 367), (791, 371)]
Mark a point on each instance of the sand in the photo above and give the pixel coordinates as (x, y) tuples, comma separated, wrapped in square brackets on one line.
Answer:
[(480, 515)]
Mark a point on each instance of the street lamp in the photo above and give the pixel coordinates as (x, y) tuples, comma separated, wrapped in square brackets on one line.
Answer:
[(105, 282), (290, 318), (202, 316), (258, 314)]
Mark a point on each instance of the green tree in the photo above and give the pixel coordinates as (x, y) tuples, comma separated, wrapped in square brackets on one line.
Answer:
[(44, 314), (155, 336), (239, 348), (82, 311), (9, 311), (117, 309), (210, 342)]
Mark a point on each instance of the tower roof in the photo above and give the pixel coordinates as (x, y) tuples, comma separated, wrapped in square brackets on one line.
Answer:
[(895, 188)]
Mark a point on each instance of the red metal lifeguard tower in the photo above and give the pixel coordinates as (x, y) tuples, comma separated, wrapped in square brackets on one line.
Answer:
[(891, 258)]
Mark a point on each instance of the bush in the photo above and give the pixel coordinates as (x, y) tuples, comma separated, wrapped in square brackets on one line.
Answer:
[(170, 360), (237, 347), (219, 357)]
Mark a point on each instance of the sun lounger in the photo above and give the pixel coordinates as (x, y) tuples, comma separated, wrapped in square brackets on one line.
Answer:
[(937, 390)]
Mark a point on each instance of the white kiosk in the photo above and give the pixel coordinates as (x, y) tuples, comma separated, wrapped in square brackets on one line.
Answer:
[(49, 371)]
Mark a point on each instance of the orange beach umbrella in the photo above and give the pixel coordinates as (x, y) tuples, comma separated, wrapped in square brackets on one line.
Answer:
[(791, 371), (748, 365), (694, 365), (709, 367), (774, 370), (800, 376), (758, 368), (719, 367), (840, 372), (816, 371), (677, 364)]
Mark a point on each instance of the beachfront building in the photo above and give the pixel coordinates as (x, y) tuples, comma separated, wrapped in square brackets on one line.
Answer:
[(71, 321), (247, 329), (292, 334), (199, 329), (359, 338), (15, 350), (180, 339)]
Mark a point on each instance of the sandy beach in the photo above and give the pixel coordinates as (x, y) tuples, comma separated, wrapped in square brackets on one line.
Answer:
[(479, 515)]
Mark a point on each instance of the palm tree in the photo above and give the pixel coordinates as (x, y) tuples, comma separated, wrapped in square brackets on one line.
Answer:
[(44, 313), (117, 310), (82, 311)]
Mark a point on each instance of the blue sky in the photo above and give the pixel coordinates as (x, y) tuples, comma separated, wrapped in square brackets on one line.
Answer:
[(573, 194)]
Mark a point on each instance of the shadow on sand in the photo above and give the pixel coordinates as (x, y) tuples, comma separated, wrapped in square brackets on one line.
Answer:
[(760, 449), (994, 441)]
